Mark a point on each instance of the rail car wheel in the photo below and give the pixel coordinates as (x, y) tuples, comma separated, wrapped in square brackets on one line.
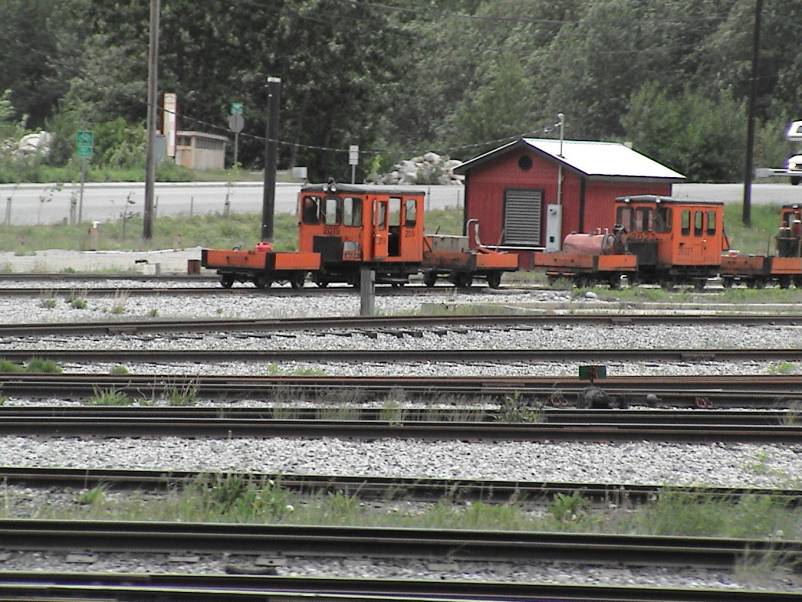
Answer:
[(581, 281), (226, 281), (262, 282), (320, 282), (785, 282), (429, 279), (727, 282), (494, 280), (699, 284), (615, 281), (667, 284), (297, 280)]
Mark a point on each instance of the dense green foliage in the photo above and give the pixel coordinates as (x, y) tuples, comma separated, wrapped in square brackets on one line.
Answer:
[(454, 76)]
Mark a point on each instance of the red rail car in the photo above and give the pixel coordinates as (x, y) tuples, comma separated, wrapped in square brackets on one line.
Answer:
[(343, 228)]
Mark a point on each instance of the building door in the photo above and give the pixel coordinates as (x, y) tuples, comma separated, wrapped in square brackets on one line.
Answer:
[(380, 238), (523, 211)]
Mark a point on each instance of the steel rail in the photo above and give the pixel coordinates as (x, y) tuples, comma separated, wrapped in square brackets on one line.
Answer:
[(375, 487), (182, 291), (224, 588), (151, 536), (488, 321), (497, 431), (402, 355), (732, 391), (407, 415)]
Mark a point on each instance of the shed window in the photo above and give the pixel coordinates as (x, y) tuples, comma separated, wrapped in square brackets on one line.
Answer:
[(698, 222), (410, 212), (331, 211), (711, 222), (662, 219), (686, 222), (310, 211)]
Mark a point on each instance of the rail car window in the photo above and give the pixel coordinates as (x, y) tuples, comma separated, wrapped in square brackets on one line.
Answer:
[(410, 212), (623, 216), (686, 222), (381, 217), (352, 211), (332, 206), (698, 222), (395, 211), (711, 222), (643, 219), (662, 219), (310, 211)]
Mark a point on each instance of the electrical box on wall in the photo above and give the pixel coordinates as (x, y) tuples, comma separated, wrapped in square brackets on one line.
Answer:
[(554, 227)]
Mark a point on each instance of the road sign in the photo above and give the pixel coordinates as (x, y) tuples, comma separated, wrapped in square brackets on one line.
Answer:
[(353, 155), (236, 108), (84, 140), (236, 122)]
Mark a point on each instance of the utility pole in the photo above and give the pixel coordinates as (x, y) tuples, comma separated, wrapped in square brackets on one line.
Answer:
[(150, 158), (750, 126), (271, 156)]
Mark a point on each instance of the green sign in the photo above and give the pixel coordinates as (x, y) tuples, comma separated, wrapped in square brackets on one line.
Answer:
[(84, 140), (236, 108)]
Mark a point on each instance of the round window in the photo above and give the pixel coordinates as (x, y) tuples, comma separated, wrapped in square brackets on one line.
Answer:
[(525, 162)]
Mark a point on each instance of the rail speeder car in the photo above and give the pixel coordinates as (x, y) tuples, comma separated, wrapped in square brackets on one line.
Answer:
[(342, 228)]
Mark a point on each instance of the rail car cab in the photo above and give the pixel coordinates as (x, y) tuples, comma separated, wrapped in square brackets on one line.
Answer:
[(675, 241), (352, 226), (789, 235)]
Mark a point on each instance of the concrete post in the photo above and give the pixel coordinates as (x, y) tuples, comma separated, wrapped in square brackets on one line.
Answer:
[(367, 292)]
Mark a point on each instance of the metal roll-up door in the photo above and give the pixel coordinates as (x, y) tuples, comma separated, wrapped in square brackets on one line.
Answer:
[(522, 216)]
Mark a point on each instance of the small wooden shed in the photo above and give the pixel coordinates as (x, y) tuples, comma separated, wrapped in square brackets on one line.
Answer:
[(513, 190), (199, 150)]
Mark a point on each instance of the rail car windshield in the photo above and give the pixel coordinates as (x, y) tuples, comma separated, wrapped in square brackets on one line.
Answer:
[(644, 219), (331, 210)]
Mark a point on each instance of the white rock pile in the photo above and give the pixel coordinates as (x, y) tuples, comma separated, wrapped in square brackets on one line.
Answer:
[(429, 168)]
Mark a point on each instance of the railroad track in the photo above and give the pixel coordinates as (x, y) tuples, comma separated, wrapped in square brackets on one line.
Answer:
[(333, 413), (317, 540), (687, 391), (238, 588), (383, 488), (443, 323), (147, 423), (402, 355), (182, 291)]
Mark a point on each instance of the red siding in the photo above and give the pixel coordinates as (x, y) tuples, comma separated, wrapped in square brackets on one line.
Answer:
[(487, 183)]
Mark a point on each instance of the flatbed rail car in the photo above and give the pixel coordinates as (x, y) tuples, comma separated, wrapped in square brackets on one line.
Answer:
[(343, 228), (784, 268), (655, 240)]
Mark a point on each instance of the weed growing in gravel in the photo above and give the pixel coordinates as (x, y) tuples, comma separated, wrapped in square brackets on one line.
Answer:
[(92, 497), (3, 400), (109, 397), (118, 370), (10, 367), (274, 369), (781, 368), (153, 313), (182, 395), (40, 365), (47, 300), (515, 409), (392, 412), (77, 302), (120, 299)]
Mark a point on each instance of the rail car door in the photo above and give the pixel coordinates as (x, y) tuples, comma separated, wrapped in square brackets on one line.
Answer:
[(380, 228)]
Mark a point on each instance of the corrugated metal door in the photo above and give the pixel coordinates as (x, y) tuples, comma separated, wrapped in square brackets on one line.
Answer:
[(522, 217)]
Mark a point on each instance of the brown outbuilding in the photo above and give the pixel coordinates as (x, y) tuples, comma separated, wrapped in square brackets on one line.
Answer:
[(513, 190)]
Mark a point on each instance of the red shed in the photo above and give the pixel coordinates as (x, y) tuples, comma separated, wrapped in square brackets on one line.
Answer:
[(513, 190)]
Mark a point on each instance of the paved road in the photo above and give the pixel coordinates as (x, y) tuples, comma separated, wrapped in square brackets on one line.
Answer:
[(106, 201)]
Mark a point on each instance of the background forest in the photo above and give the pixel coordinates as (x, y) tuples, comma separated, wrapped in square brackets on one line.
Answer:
[(401, 78)]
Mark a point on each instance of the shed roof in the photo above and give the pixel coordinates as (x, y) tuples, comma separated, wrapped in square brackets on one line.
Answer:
[(590, 158)]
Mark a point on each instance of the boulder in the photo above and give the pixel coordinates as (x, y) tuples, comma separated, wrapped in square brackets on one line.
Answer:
[(35, 144)]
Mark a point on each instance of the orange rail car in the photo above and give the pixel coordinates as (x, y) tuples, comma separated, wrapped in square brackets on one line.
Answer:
[(343, 228)]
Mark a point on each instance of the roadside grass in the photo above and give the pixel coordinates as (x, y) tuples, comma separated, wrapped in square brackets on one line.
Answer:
[(228, 498), (179, 232), (757, 239)]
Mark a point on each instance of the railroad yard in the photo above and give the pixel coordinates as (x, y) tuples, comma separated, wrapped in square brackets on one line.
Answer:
[(447, 447)]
